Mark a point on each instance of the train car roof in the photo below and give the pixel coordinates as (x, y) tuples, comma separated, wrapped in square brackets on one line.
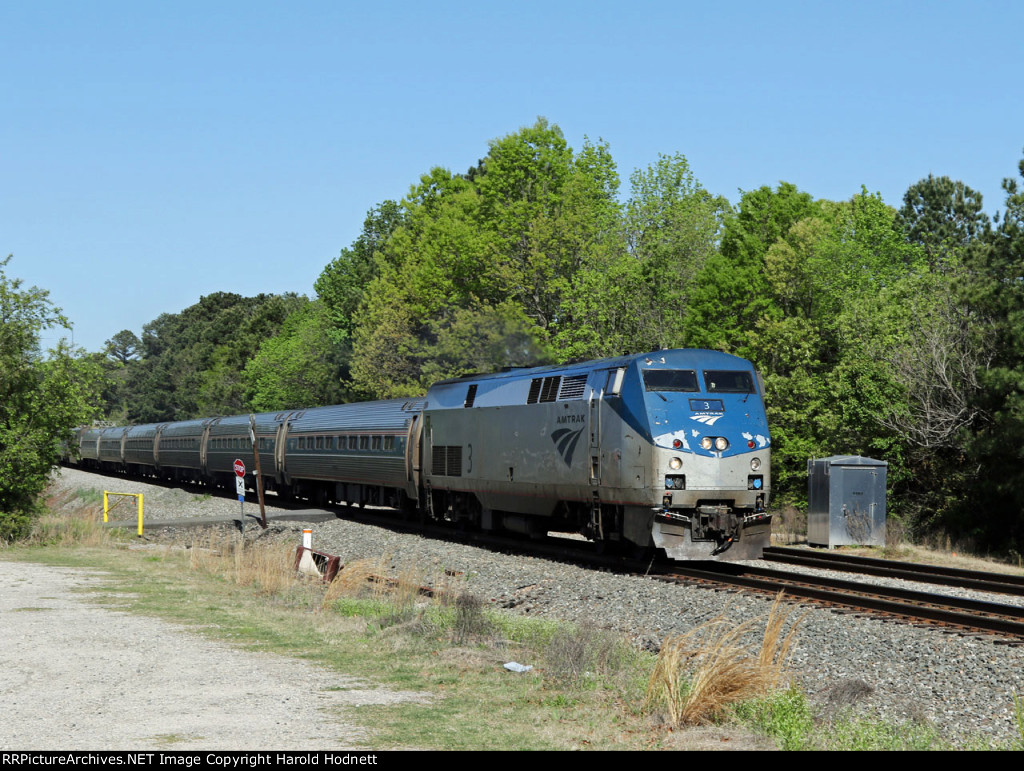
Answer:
[(386, 415), (653, 357), (565, 382)]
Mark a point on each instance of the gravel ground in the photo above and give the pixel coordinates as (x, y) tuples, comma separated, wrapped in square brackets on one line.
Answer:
[(964, 685), (77, 675)]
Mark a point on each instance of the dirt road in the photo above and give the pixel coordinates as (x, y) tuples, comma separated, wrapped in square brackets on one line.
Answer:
[(76, 675)]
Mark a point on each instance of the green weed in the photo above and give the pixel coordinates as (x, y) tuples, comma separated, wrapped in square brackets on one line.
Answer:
[(783, 715), (865, 734), (89, 496)]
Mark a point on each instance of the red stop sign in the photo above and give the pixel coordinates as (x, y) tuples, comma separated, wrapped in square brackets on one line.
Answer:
[(239, 467)]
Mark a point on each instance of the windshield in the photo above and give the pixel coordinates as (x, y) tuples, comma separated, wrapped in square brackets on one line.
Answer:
[(670, 380), (728, 381)]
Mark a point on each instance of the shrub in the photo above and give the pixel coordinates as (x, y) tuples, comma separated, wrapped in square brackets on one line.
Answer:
[(575, 654)]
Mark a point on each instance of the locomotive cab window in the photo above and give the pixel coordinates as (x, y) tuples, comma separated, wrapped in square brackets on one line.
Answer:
[(728, 381), (670, 380)]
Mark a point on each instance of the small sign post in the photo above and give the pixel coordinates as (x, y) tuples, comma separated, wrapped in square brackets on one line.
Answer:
[(240, 487)]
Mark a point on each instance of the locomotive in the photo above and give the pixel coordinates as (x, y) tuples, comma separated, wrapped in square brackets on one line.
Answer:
[(666, 450)]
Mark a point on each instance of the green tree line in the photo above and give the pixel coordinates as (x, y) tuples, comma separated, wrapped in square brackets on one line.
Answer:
[(891, 332)]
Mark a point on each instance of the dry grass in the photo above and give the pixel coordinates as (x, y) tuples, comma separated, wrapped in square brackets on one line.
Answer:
[(270, 567), (79, 523), (701, 673), (403, 597), (267, 566), (777, 644), (789, 527), (355, 579), (406, 590)]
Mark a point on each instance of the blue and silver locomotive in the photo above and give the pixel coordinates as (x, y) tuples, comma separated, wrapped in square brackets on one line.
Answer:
[(668, 449)]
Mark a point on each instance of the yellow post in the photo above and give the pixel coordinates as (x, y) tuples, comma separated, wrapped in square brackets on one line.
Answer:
[(137, 496)]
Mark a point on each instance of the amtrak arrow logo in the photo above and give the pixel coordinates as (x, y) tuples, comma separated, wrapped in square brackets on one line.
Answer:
[(707, 420), (565, 442)]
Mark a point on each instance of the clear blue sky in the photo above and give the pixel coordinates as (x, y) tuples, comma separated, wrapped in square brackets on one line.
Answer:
[(153, 152)]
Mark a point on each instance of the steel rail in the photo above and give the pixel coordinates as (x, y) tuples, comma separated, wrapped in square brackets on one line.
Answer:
[(975, 616), (997, 583)]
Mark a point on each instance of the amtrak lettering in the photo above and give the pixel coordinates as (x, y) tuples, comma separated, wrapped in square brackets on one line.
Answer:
[(570, 419)]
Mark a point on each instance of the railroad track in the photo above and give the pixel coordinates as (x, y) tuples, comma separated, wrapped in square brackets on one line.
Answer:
[(911, 606), (997, 583), (957, 614), (963, 615)]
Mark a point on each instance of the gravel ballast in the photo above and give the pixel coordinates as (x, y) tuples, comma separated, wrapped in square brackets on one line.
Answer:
[(963, 685)]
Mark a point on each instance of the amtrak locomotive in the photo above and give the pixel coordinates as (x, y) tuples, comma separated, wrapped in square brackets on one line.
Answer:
[(668, 450)]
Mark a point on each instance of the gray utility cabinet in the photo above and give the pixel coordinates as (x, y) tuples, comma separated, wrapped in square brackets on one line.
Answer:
[(846, 501)]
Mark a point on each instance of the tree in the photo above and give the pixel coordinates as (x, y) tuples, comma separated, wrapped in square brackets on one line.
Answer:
[(300, 367), (123, 347), (937, 360), (517, 229), (483, 339), (192, 361), (42, 398), (673, 226), (343, 283), (522, 199), (730, 295), (634, 293), (943, 217), (789, 291), (995, 288)]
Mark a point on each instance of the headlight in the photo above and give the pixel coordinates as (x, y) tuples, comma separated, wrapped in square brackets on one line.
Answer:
[(675, 463), (706, 442), (721, 443), (755, 464)]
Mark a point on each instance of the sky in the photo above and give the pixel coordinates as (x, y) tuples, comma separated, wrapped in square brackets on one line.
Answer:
[(155, 152)]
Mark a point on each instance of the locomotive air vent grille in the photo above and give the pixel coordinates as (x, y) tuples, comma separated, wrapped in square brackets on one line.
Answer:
[(550, 390), (534, 391), (454, 458), (573, 387), (437, 460), (543, 389), (446, 460)]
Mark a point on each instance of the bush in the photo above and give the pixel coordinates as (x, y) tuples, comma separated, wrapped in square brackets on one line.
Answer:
[(575, 655)]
